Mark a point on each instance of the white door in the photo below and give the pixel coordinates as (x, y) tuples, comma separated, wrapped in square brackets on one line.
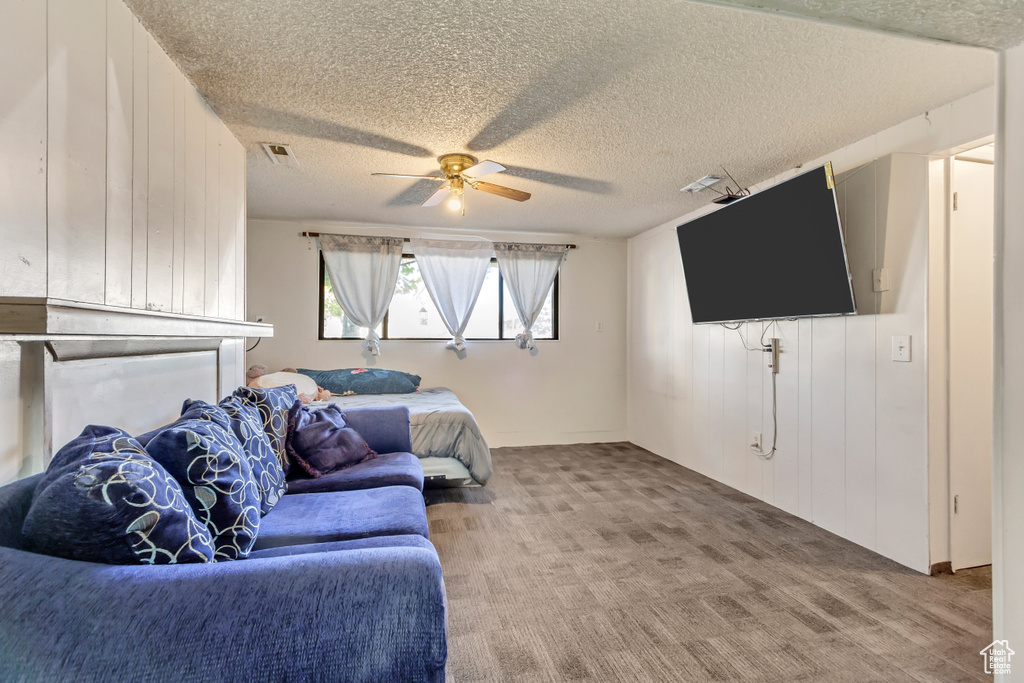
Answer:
[(971, 288)]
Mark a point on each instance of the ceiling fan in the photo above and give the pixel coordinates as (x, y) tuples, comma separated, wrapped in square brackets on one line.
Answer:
[(459, 171)]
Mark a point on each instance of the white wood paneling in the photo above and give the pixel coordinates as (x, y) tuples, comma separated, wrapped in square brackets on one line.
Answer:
[(735, 453), (178, 211), (240, 240), (716, 401), (228, 198), (805, 396), (828, 423), (786, 461), (76, 149), (213, 142), (140, 164), (194, 261), (120, 68), (161, 180), (23, 140)]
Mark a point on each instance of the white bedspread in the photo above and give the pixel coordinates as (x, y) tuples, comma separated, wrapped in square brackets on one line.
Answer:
[(441, 426)]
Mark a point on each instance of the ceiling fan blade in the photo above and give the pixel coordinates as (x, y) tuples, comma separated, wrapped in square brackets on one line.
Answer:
[(501, 191), (406, 175), (483, 168), (437, 197)]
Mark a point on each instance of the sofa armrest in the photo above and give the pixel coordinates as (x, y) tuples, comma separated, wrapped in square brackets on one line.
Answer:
[(386, 429), (371, 614)]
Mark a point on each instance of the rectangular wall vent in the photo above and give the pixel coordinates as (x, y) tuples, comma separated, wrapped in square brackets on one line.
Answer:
[(279, 154)]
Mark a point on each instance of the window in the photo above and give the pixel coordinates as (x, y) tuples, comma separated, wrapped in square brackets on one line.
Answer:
[(412, 314)]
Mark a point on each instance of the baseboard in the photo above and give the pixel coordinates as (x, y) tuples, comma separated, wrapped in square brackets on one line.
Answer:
[(941, 568)]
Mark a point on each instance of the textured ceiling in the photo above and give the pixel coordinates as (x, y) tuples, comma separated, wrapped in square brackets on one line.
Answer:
[(602, 110), (996, 24)]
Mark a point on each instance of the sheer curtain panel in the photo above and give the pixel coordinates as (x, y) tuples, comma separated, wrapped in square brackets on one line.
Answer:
[(453, 273), (363, 272), (528, 271)]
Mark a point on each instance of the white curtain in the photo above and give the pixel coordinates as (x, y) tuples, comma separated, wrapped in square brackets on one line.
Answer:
[(529, 271), (453, 273), (363, 272)]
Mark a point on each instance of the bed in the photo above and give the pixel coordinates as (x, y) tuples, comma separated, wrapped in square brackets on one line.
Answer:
[(445, 435)]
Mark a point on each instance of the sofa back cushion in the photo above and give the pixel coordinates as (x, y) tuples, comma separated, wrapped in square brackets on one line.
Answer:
[(103, 499), (206, 458), (266, 469), (320, 442), (273, 406)]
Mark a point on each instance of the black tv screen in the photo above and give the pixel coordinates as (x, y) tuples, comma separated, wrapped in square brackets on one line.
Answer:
[(775, 254)]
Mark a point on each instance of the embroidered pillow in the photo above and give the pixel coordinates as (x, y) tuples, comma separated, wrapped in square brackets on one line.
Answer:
[(349, 381), (266, 469), (207, 460), (320, 443), (273, 406), (103, 499)]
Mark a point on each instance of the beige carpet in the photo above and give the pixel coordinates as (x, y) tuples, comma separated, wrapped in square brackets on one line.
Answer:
[(604, 562)]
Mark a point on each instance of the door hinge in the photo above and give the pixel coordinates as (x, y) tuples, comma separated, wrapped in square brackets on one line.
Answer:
[(956, 505), (954, 201)]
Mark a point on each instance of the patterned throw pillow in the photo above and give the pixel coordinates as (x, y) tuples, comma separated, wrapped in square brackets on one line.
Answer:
[(103, 499), (273, 406), (247, 425), (349, 381), (207, 460)]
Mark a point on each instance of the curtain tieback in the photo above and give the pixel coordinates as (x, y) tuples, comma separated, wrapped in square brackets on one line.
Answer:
[(458, 343), (373, 342), (524, 339)]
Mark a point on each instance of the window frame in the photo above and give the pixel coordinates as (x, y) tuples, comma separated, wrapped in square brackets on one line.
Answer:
[(384, 325)]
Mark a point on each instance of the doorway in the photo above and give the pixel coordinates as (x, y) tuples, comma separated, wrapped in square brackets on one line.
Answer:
[(971, 338)]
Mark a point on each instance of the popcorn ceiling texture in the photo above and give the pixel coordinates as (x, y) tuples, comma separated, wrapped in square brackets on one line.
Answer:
[(602, 110), (997, 24)]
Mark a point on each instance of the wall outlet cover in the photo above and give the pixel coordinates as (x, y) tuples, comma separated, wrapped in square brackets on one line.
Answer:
[(901, 348)]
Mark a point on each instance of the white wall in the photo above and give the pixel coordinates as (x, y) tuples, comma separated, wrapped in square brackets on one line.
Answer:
[(572, 390), (119, 186), (853, 426), (1008, 456)]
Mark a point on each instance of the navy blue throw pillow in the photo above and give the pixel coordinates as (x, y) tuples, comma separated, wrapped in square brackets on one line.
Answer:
[(350, 381), (247, 425), (103, 499), (207, 460), (273, 406), (320, 442)]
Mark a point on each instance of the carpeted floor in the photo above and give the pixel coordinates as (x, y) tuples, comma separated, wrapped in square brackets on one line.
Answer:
[(604, 562)]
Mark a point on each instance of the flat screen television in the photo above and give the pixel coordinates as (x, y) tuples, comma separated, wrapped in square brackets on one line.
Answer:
[(772, 255)]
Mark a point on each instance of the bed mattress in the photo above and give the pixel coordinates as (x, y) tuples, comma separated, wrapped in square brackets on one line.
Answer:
[(441, 428)]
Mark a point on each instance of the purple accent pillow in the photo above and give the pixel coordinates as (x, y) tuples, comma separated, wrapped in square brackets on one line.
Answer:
[(320, 443)]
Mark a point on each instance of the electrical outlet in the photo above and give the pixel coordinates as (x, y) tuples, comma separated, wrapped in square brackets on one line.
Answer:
[(756, 442)]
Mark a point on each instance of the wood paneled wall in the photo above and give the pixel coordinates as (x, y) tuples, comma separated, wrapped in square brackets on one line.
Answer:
[(119, 185)]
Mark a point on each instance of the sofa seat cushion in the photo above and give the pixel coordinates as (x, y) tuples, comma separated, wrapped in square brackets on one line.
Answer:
[(399, 541), (103, 499), (390, 469), (303, 518)]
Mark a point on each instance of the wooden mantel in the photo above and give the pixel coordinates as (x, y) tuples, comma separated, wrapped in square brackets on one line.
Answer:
[(59, 317)]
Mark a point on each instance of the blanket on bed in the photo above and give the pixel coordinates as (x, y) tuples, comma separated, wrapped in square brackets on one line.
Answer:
[(441, 426)]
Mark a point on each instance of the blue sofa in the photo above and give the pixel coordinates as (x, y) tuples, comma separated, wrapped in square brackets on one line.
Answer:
[(342, 585)]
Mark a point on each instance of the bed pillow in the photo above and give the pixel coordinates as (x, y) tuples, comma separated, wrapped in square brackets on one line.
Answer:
[(303, 384), (273, 406), (319, 442), (103, 499), (208, 461), (266, 469), (350, 381)]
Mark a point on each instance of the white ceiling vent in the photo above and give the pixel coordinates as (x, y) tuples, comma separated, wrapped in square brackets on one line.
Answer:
[(280, 155)]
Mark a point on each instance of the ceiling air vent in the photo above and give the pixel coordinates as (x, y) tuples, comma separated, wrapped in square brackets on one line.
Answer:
[(280, 155)]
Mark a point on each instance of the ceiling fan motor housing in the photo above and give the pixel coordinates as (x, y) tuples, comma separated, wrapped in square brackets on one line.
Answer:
[(454, 164)]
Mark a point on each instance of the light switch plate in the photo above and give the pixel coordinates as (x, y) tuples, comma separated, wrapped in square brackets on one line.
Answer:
[(880, 279), (901, 348)]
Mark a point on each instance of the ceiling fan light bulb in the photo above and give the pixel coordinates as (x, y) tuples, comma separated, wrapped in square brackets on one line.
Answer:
[(454, 203)]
